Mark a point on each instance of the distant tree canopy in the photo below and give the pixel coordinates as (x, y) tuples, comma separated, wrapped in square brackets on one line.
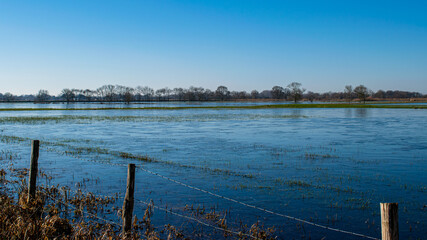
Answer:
[(310, 96), (348, 91), (8, 97), (222, 93), (278, 92), (293, 92), (42, 96), (362, 92), (68, 95), (254, 94)]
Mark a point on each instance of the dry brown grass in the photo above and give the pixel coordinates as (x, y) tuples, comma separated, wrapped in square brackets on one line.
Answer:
[(53, 214), (57, 213), (22, 220)]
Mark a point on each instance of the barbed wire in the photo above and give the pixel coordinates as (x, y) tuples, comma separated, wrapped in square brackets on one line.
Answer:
[(239, 202), (256, 207), (173, 213), (196, 220)]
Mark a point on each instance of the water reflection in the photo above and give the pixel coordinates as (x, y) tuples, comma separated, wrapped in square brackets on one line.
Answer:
[(361, 112), (348, 112), (265, 155)]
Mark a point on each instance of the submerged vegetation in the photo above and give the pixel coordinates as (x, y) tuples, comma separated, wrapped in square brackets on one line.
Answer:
[(281, 170), (257, 180), (89, 119), (62, 213)]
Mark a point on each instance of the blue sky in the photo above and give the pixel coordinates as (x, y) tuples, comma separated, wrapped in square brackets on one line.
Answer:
[(243, 45)]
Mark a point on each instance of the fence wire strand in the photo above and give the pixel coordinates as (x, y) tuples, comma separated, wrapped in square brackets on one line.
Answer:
[(197, 220), (173, 213), (239, 202), (256, 207)]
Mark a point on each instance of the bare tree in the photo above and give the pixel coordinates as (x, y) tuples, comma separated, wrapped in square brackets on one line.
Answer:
[(179, 93), (265, 94), (189, 94), (278, 92), (88, 94), (78, 94), (234, 94), (362, 93), (125, 94), (107, 92), (68, 95), (295, 91), (199, 93), (254, 94), (160, 93), (380, 94), (310, 96), (8, 97), (119, 91), (348, 92), (222, 93), (145, 92), (168, 92), (243, 95), (100, 92), (42, 96), (110, 92), (128, 95), (208, 94)]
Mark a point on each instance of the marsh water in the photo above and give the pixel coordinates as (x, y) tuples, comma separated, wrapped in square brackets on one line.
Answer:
[(329, 166)]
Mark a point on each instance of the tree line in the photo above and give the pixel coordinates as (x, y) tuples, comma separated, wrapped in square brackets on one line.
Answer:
[(292, 92)]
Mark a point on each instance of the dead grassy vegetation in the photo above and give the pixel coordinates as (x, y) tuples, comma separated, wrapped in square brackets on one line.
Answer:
[(41, 219), (59, 213), (55, 213)]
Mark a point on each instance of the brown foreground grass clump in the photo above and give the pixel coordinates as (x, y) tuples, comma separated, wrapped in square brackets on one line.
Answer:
[(43, 218), (51, 215), (60, 213), (24, 220), (35, 220)]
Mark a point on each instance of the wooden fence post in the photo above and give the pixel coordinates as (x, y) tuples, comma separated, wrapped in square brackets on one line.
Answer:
[(129, 200), (35, 144), (389, 221)]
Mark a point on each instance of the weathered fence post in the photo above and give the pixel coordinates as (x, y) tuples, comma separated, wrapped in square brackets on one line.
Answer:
[(129, 199), (35, 144), (389, 221)]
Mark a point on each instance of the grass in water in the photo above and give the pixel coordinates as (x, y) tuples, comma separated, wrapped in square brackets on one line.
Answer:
[(191, 118), (77, 151), (61, 213)]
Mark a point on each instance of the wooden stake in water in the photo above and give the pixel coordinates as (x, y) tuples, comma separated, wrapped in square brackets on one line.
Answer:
[(35, 144), (389, 221), (129, 200)]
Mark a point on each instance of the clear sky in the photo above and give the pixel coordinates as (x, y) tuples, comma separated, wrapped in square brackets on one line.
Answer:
[(243, 44)]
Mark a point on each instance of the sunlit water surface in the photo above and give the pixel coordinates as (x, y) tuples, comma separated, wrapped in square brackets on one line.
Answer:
[(329, 166)]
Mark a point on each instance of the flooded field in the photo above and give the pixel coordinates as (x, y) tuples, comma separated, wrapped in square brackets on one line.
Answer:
[(331, 167)]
